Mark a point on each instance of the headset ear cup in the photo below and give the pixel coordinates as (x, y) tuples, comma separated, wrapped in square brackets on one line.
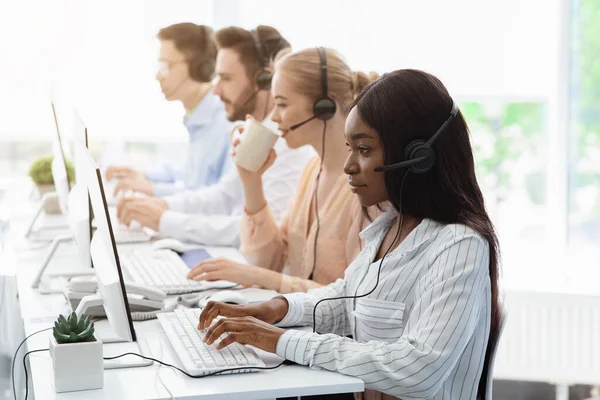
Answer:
[(417, 149), (325, 108), (263, 80), (201, 71), (207, 70)]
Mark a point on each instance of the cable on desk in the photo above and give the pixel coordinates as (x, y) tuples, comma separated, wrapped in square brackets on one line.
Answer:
[(15, 357), (25, 368), (284, 362)]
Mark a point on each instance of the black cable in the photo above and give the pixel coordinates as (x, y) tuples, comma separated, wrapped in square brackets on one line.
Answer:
[(380, 263), (25, 368), (15, 357), (196, 376), (310, 276)]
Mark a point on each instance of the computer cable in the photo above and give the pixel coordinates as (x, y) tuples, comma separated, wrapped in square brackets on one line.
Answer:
[(284, 362), (15, 357), (25, 368), (316, 197), (380, 263)]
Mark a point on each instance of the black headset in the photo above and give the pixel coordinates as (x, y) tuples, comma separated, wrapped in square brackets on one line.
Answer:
[(324, 108), (419, 154), (201, 68), (264, 77)]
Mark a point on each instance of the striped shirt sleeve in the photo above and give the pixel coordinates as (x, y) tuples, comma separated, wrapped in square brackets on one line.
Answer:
[(331, 315), (450, 300)]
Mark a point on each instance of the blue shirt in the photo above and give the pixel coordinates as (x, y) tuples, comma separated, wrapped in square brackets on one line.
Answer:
[(208, 155)]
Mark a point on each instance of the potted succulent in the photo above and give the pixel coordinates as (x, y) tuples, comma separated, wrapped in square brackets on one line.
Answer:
[(41, 174), (76, 355)]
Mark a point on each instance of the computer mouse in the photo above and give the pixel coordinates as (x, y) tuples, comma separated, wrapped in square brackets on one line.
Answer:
[(224, 296), (170, 244)]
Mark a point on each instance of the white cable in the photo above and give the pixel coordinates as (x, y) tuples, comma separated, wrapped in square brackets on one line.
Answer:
[(158, 371)]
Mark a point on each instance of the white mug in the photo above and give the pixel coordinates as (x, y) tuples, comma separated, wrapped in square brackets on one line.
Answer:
[(255, 144)]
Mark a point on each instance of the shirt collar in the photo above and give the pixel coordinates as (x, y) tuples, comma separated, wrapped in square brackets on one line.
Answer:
[(376, 230)]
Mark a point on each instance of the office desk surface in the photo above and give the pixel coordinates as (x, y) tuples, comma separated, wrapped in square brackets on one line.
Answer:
[(39, 312)]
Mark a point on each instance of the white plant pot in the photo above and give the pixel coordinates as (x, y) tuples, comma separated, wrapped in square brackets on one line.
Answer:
[(52, 206), (77, 366)]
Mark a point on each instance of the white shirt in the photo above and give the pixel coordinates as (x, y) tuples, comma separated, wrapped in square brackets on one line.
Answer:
[(422, 334), (212, 215)]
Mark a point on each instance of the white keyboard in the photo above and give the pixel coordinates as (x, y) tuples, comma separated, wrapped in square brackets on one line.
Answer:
[(197, 357), (123, 236), (163, 269)]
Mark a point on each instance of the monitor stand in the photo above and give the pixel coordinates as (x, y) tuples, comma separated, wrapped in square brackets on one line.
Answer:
[(38, 276), (114, 346), (46, 197)]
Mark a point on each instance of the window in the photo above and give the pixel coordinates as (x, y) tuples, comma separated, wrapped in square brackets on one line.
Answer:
[(508, 64), (584, 174), (502, 72)]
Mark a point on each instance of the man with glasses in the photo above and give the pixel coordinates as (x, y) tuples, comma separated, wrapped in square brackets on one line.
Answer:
[(186, 67)]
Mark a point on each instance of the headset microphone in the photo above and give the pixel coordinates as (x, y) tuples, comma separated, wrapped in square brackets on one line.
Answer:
[(324, 107), (293, 127), (419, 154)]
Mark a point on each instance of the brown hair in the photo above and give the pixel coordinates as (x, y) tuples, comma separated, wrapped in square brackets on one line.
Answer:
[(241, 41), (303, 70), (198, 46)]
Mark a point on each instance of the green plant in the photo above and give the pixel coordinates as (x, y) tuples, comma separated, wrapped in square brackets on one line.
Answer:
[(41, 171), (73, 329)]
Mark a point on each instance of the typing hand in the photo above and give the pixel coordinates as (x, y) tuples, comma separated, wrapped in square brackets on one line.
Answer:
[(147, 211), (116, 171), (244, 330), (221, 268), (141, 185), (270, 311)]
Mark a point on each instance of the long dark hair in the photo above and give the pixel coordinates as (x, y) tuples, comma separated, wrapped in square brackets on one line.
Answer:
[(406, 105)]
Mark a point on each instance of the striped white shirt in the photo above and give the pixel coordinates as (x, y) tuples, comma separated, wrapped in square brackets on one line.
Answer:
[(422, 333)]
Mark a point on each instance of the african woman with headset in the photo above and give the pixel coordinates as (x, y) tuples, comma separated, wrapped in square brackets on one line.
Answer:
[(313, 90), (421, 298)]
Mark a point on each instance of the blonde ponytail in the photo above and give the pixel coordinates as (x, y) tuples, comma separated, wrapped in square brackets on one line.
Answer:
[(360, 80), (303, 70)]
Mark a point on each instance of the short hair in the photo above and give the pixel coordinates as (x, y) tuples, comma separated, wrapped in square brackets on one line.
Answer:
[(197, 44), (242, 42)]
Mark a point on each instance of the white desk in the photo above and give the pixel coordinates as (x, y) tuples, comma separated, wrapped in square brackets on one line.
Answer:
[(39, 311)]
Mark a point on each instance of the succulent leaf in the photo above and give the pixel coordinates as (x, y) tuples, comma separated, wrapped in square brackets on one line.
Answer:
[(87, 333), (73, 328), (83, 322), (73, 322), (60, 337)]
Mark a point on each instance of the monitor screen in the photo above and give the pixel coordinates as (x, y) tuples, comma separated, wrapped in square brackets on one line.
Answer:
[(104, 250)]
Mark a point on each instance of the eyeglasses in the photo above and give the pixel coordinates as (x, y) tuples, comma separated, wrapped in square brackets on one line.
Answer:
[(163, 67)]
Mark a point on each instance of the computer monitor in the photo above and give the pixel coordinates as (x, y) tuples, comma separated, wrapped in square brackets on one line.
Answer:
[(74, 205), (80, 133), (60, 145), (104, 252), (73, 200)]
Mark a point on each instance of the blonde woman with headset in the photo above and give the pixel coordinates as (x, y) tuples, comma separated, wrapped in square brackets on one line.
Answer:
[(313, 90)]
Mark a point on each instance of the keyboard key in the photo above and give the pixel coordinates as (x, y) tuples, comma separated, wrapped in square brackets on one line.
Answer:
[(235, 355)]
